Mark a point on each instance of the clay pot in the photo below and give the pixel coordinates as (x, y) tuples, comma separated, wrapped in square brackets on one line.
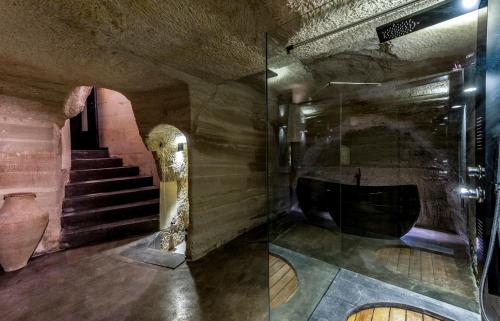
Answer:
[(22, 224)]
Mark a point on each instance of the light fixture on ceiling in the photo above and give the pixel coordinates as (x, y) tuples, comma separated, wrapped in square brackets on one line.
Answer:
[(331, 83), (470, 89), (469, 4), (271, 74), (180, 139), (456, 106)]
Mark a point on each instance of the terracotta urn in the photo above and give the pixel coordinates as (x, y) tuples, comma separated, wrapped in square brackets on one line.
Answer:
[(22, 224)]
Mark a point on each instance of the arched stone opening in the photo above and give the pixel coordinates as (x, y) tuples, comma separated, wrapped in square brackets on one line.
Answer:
[(75, 101), (117, 120), (169, 146)]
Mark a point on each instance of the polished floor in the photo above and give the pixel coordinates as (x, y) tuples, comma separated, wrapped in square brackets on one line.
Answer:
[(351, 292), (97, 283), (437, 267)]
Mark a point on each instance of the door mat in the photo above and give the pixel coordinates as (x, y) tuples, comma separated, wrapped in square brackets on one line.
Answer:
[(146, 251)]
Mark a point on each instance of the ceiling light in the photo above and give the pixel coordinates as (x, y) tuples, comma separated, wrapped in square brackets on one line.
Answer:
[(470, 89), (181, 139), (354, 83), (271, 74), (456, 106), (469, 4)]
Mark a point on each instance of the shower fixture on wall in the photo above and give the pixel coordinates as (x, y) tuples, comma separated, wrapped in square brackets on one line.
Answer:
[(408, 24), (426, 18)]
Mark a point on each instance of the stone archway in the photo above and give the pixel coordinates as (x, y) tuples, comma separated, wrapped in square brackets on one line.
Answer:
[(117, 179), (169, 146)]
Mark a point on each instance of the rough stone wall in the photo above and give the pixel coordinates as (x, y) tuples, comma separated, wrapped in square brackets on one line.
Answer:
[(225, 128), (227, 164), (118, 131), (173, 167), (154, 53), (30, 159), (168, 105)]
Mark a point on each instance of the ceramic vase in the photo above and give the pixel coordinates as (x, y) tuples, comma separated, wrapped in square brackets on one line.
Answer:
[(22, 224)]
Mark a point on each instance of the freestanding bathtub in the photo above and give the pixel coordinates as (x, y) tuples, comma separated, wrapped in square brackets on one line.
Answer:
[(374, 211)]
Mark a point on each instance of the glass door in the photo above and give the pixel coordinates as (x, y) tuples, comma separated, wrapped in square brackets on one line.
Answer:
[(374, 180)]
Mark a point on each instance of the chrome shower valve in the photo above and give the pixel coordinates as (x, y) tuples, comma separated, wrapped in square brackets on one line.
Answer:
[(476, 171), (477, 193)]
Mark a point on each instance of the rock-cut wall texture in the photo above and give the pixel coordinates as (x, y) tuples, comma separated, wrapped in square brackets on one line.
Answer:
[(164, 141), (30, 159), (227, 164)]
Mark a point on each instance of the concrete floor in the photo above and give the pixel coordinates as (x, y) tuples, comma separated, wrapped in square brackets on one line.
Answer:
[(358, 254), (96, 283)]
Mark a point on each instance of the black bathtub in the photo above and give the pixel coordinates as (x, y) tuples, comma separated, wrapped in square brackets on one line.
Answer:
[(374, 211)]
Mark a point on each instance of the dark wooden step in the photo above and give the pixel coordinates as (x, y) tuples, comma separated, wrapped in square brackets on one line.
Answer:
[(82, 175), (110, 231), (93, 153), (107, 185), (109, 214), (92, 163), (97, 200)]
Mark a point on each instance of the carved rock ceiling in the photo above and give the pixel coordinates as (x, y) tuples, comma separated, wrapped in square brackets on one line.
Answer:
[(142, 45), (355, 55)]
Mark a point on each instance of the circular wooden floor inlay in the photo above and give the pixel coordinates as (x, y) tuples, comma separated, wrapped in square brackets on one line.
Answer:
[(390, 314), (283, 282)]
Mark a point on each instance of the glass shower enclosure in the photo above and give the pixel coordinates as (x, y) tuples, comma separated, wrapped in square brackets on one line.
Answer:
[(374, 146)]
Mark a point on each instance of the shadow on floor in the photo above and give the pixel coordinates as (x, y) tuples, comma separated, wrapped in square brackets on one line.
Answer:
[(96, 283)]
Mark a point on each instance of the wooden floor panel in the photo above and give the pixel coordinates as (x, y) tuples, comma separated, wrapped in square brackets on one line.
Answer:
[(283, 281), (390, 314), (436, 269)]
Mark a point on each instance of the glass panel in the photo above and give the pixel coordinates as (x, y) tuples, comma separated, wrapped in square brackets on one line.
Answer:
[(368, 148)]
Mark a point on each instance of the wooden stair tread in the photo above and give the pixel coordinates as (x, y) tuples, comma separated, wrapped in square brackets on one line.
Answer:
[(111, 225), (112, 207), (106, 200), (103, 180), (119, 192), (100, 169)]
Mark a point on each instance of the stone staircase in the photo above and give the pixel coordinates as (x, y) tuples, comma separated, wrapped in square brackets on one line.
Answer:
[(106, 200)]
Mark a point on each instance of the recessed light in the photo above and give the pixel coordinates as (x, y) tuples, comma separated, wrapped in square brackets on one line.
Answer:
[(470, 89), (469, 4)]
